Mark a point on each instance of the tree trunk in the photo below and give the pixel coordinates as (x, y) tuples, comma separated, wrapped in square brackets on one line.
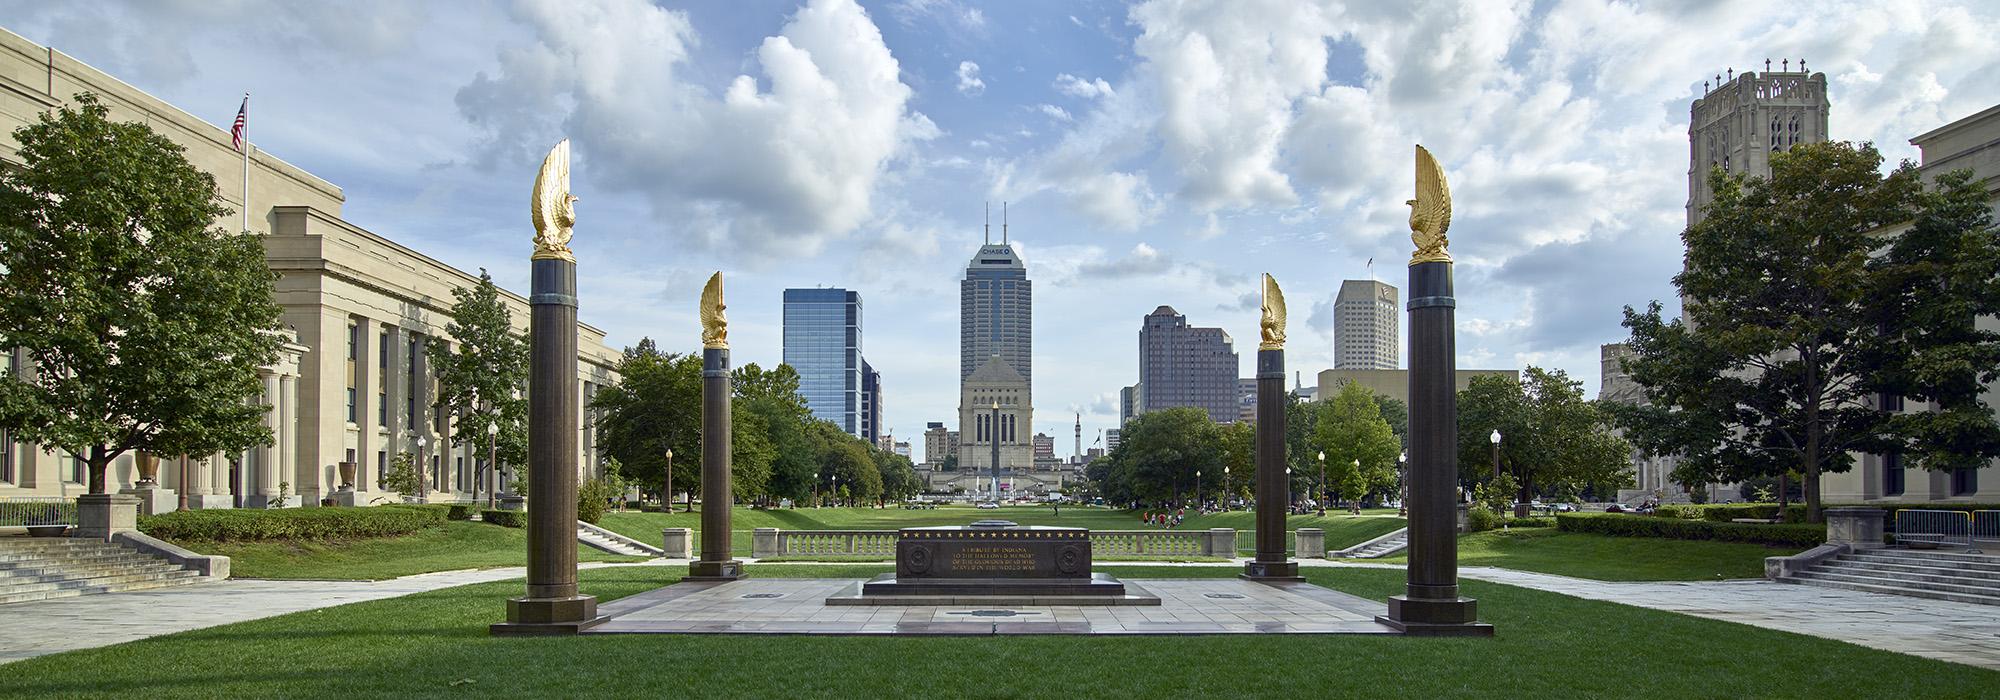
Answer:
[(99, 465)]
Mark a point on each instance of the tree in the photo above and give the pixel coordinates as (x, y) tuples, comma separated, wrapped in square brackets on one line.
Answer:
[(1781, 375), (1930, 285), (656, 406), (1165, 448), (145, 322), (1397, 415), (483, 376), (1350, 431), (899, 477), (1239, 458), (1553, 441)]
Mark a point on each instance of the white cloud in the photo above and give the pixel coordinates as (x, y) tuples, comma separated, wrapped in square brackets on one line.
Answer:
[(772, 166), (1054, 112), (1077, 87), (969, 83)]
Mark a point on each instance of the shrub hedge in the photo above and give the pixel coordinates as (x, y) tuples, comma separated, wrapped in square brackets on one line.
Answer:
[(1791, 535), (239, 525), (505, 518), (459, 511), (1726, 512), (1530, 522)]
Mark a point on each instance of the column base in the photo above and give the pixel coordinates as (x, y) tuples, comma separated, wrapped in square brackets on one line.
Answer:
[(208, 501), (154, 500), (101, 515), (1271, 571), (346, 497), (548, 617), (1455, 617), (730, 570)]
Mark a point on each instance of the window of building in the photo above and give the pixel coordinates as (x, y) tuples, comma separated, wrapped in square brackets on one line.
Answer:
[(1964, 482), (382, 380), (381, 467), (1892, 474), (76, 469), (410, 387)]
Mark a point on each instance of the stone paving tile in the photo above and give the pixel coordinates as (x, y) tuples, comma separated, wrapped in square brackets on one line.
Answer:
[(1187, 607)]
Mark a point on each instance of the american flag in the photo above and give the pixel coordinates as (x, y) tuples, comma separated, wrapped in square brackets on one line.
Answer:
[(236, 132)]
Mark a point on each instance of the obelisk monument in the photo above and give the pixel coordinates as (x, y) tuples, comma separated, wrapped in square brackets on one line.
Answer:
[(1274, 489), (714, 563)]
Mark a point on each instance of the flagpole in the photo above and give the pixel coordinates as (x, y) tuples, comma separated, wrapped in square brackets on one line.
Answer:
[(246, 162)]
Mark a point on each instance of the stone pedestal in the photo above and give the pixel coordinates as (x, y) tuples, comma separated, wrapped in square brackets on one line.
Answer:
[(715, 563), (1221, 542), (1311, 543), (346, 497), (101, 515), (209, 501), (154, 499), (994, 562), (1274, 489), (552, 604), (764, 543), (513, 501), (1858, 528), (1430, 603), (677, 543)]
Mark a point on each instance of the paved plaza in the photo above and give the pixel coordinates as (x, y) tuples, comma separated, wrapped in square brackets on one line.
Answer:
[(799, 606)]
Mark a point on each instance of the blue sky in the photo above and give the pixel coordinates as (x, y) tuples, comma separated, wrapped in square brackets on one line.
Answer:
[(1156, 153)]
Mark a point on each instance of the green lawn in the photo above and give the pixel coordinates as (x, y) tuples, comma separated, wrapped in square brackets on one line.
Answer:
[(1341, 530), (1606, 558), (455, 545), (435, 644)]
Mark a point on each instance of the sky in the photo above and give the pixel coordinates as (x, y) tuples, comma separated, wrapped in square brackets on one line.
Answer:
[(1163, 152)]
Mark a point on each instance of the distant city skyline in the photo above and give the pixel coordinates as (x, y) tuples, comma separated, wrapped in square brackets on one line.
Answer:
[(1137, 176)]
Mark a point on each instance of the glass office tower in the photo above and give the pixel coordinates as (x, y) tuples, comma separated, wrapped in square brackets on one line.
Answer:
[(823, 344)]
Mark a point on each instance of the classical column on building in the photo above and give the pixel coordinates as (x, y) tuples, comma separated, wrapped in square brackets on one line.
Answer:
[(552, 604), (286, 463), (1431, 603), (264, 493)]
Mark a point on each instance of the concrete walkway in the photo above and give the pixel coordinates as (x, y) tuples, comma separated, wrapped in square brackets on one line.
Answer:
[(64, 624)]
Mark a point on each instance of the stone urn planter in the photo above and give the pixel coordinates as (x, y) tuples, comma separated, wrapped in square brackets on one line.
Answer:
[(346, 475), (149, 469)]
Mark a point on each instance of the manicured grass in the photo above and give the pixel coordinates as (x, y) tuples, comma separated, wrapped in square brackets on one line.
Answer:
[(1583, 555), (436, 644), (1341, 530), (455, 545)]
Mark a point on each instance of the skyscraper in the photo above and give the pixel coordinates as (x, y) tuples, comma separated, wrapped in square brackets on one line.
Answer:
[(871, 403), (823, 344), (996, 343), (1181, 365), (1364, 326)]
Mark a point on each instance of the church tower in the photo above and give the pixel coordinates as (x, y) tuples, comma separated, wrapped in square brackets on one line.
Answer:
[(1741, 119)]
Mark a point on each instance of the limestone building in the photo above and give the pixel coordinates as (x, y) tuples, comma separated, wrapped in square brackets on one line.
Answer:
[(1744, 118), (1971, 143), (1652, 477), (354, 386), (1394, 383), (995, 384), (1365, 315)]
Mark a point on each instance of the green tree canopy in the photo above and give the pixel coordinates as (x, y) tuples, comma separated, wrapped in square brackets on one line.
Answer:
[(656, 406), (1552, 439), (1788, 360), (483, 375), (144, 322), (1351, 431)]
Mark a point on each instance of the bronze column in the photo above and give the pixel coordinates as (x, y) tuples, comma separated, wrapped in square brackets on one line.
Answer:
[(1431, 604), (1274, 491), (715, 563), (552, 605)]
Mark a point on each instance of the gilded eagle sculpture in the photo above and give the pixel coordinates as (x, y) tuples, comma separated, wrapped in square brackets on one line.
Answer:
[(1273, 320), (553, 207), (714, 326), (1430, 212)]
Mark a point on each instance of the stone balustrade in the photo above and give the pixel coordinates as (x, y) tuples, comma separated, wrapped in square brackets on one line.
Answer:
[(768, 542)]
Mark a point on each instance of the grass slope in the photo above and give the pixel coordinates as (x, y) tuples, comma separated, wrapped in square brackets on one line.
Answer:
[(1584, 555), (455, 545), (435, 645), (1341, 530)]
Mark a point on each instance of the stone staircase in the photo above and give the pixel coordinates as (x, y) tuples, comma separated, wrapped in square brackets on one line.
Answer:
[(1380, 547), (1942, 575), (613, 542), (40, 568)]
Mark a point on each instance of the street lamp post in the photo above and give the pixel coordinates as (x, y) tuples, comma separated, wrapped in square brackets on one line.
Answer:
[(833, 492), (1356, 505), (1197, 491), (492, 462), (1224, 500), (1495, 439), (423, 471), (667, 496), (1322, 483)]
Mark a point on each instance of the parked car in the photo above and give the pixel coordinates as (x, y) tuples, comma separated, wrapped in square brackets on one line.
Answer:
[(989, 505)]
